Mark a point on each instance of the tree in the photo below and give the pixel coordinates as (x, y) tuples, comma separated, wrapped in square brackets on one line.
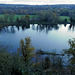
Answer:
[(6, 18), (27, 19), (47, 63), (64, 12), (11, 18), (72, 16), (22, 19), (48, 17), (71, 51), (27, 54), (9, 64), (17, 20), (5, 62)]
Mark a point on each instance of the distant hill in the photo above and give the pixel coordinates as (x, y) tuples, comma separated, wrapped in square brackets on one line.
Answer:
[(67, 6), (30, 9)]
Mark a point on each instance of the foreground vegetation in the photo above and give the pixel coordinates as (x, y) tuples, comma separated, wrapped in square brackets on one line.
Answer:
[(28, 62)]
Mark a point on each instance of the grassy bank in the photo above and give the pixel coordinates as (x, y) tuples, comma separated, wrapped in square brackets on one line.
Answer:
[(35, 16), (18, 16), (32, 18), (62, 18)]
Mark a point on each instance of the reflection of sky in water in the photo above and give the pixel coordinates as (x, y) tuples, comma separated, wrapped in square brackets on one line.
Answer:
[(47, 38)]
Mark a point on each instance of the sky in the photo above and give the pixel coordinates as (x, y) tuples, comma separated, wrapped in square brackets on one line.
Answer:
[(37, 2)]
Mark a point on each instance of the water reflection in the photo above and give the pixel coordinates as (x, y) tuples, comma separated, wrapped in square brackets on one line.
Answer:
[(38, 28), (18, 28), (72, 27), (10, 29), (45, 28), (45, 37), (65, 24)]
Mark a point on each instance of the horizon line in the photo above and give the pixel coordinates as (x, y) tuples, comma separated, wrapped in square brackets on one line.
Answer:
[(34, 4)]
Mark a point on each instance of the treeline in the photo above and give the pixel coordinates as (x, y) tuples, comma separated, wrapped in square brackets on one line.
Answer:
[(31, 9), (44, 14), (27, 61), (7, 19), (43, 17)]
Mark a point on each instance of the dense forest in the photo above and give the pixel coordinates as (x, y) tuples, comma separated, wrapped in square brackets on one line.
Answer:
[(41, 14), (33, 9)]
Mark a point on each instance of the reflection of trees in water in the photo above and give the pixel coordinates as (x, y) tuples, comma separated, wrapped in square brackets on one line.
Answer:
[(65, 24), (72, 26), (8, 30), (40, 28), (45, 28), (0, 29), (25, 27), (18, 28), (56, 27), (12, 29), (5, 29), (33, 27)]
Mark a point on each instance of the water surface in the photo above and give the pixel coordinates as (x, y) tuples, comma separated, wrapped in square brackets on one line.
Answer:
[(45, 37)]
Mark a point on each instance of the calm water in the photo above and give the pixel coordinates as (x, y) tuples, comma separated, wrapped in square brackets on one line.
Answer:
[(47, 38)]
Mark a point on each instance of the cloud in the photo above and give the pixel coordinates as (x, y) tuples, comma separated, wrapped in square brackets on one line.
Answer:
[(38, 1)]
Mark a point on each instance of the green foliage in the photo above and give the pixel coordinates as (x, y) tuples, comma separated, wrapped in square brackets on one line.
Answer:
[(71, 51), (43, 16), (62, 18), (27, 54), (19, 16), (27, 19), (14, 64), (64, 12), (47, 63), (48, 17), (5, 60), (72, 16), (9, 63)]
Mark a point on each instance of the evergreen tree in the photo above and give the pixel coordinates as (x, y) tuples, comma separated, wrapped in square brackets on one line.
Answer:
[(27, 53)]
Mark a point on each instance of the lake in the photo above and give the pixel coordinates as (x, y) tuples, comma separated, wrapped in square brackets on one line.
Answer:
[(45, 37)]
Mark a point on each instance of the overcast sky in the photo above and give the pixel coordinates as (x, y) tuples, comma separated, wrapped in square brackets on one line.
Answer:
[(37, 2)]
